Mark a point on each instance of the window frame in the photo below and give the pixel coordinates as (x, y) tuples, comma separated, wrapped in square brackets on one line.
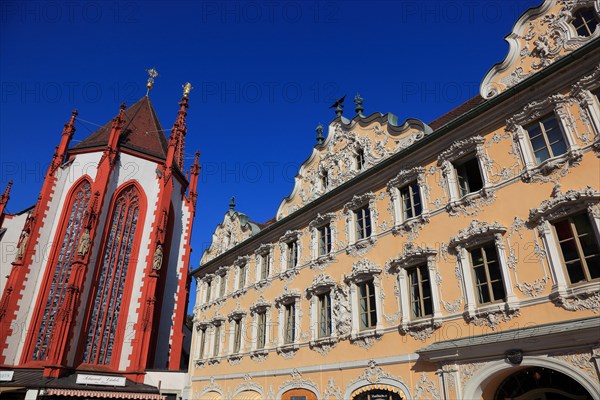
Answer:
[(237, 322), (264, 263), (321, 260), (404, 178), (585, 91), (413, 256), (364, 271), (260, 307), (580, 253), (532, 112), (289, 299), (486, 267), (322, 285), (366, 201), (289, 270), (575, 13), (459, 151), (561, 205), (478, 233)]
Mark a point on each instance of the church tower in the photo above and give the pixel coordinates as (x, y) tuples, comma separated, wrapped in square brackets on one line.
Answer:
[(99, 280)]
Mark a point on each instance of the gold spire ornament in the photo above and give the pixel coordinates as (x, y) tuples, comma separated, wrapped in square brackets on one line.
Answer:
[(153, 73), (187, 88)]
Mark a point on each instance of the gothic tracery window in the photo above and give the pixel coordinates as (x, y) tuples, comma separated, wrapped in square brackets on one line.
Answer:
[(62, 270), (106, 305)]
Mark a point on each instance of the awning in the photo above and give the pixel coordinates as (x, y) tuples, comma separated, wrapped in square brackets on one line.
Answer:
[(211, 396), (368, 388), (100, 394), (247, 395)]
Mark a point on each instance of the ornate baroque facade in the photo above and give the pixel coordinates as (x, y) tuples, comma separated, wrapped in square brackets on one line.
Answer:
[(427, 261)]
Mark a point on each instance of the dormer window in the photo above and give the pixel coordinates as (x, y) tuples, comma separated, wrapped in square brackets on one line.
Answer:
[(324, 180), (585, 21), (359, 159)]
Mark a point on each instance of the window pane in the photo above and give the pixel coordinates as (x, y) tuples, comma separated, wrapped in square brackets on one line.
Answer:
[(575, 270)]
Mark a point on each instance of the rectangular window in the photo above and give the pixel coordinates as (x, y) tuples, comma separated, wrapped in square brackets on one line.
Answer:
[(546, 138), (324, 240), (290, 325), (468, 176), (208, 291), (367, 311), (579, 248), (242, 277), (264, 266), (202, 343), (237, 336), (411, 200), (261, 330), (360, 159), (217, 340), (488, 277), (419, 288), (324, 310), (324, 180), (292, 254), (223, 285), (363, 223)]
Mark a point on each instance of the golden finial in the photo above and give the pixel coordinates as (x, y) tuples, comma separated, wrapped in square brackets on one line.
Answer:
[(187, 88), (153, 74)]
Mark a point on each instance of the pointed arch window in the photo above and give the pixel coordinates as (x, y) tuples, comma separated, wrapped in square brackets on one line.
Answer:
[(102, 329), (62, 269)]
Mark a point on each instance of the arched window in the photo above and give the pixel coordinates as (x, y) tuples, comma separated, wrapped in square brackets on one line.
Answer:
[(106, 305), (62, 270)]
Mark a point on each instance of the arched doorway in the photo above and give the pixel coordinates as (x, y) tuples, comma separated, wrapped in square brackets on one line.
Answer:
[(378, 392), (298, 394), (539, 383)]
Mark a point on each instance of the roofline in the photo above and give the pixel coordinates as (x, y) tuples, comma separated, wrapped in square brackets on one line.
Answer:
[(469, 115)]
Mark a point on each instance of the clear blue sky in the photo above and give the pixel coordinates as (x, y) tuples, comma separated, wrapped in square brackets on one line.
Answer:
[(264, 74)]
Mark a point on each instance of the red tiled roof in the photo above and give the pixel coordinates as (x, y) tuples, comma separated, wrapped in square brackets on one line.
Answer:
[(457, 112), (142, 132)]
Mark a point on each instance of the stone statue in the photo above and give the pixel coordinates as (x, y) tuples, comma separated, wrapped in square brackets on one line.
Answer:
[(84, 243), (158, 258), (22, 245)]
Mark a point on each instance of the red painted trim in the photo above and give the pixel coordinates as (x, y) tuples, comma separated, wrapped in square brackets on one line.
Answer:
[(13, 290), (129, 279), (180, 311), (34, 325)]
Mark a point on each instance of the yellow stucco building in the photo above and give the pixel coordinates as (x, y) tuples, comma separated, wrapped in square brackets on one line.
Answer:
[(458, 259)]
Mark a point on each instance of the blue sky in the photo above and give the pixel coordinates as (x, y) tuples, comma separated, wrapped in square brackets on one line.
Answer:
[(264, 75)]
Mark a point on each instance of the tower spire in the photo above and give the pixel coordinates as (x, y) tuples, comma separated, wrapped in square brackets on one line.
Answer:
[(179, 127), (4, 200), (67, 134), (194, 172)]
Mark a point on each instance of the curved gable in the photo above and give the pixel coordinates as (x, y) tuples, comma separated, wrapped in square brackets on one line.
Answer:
[(235, 228), (373, 138), (541, 36)]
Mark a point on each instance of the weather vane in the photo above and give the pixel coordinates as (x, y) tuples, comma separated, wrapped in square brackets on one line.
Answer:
[(187, 88), (153, 74)]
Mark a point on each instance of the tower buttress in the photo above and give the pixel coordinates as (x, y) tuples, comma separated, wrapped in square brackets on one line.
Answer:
[(4, 197), (26, 247)]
